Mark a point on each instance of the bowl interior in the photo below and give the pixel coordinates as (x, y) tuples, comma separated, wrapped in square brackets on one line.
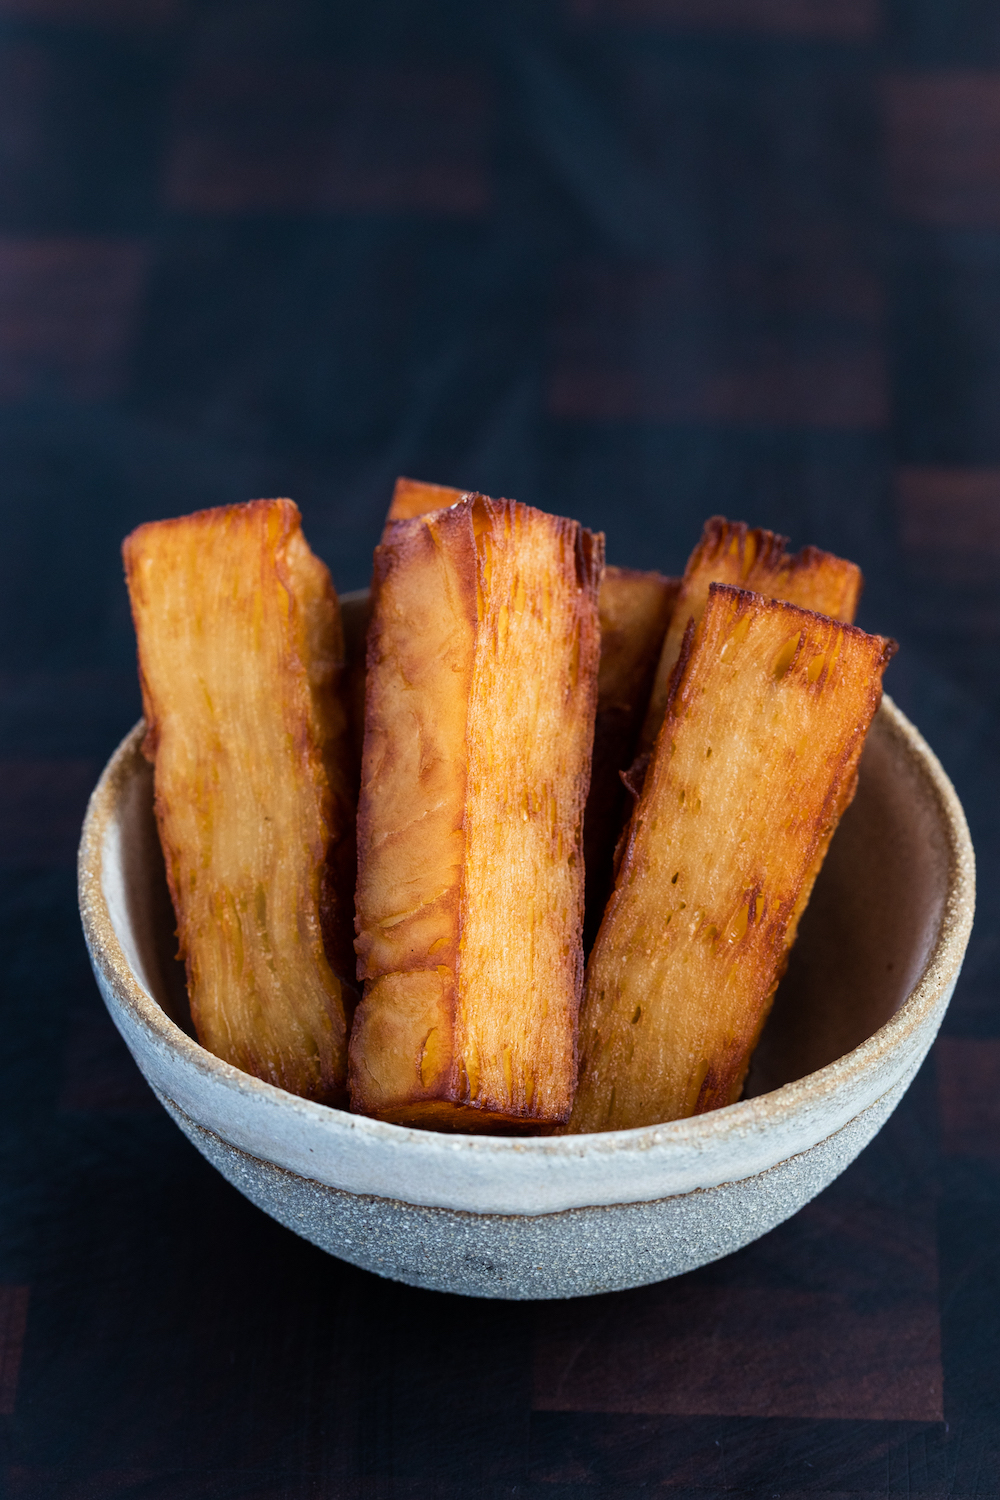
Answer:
[(875, 914)]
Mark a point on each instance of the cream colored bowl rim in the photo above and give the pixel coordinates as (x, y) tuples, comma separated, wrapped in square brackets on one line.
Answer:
[(709, 1131)]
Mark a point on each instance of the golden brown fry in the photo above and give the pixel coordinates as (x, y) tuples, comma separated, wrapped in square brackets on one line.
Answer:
[(756, 760), (482, 678), (729, 552), (240, 657), (412, 497), (634, 610)]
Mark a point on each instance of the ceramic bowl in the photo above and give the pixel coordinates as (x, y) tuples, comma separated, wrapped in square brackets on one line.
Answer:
[(876, 962)]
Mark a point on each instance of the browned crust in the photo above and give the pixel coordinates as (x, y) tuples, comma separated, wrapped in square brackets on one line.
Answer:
[(730, 552), (753, 952), (448, 1115), (320, 652), (308, 694), (407, 544), (390, 1035), (415, 497), (724, 1078), (762, 556), (635, 608), (556, 1048), (420, 1025)]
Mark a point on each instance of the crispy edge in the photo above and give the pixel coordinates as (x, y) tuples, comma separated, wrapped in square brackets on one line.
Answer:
[(390, 1013), (724, 1078), (319, 641), (756, 556), (334, 875), (588, 563), (444, 1104), (415, 497), (725, 1074)]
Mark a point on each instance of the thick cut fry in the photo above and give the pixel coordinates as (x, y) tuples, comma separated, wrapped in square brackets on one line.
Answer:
[(755, 762), (412, 497), (479, 714), (729, 552), (634, 610), (240, 657)]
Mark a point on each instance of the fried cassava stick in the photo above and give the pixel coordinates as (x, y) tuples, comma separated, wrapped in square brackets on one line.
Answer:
[(756, 759), (240, 657), (414, 497), (634, 609), (730, 552), (482, 678)]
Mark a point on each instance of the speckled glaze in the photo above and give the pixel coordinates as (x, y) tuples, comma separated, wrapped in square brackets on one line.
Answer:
[(877, 960)]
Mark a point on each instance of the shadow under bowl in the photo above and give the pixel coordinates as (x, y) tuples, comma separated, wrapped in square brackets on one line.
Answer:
[(879, 951)]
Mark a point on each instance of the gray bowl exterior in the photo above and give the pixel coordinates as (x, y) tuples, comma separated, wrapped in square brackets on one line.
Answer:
[(572, 1215)]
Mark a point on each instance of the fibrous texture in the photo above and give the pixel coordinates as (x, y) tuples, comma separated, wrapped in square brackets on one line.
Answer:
[(730, 552), (482, 677), (755, 762), (240, 657), (634, 609), (413, 497)]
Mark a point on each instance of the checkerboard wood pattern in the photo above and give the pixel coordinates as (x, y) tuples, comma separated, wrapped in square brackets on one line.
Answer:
[(637, 261)]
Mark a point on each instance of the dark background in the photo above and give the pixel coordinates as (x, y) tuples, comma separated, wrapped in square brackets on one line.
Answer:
[(635, 261)]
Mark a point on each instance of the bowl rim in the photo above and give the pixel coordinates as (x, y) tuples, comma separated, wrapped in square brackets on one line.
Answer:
[(735, 1120)]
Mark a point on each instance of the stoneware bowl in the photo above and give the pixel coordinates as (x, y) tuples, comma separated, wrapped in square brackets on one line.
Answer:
[(875, 965)]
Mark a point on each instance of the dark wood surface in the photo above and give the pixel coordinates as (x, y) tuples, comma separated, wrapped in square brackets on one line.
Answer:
[(636, 261)]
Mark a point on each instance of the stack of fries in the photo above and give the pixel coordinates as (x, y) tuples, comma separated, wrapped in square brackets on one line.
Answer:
[(387, 864)]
